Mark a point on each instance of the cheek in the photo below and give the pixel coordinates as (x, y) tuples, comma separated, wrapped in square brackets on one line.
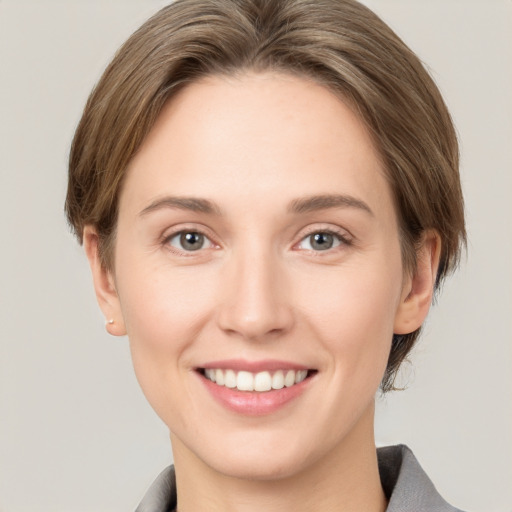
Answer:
[(352, 311), (163, 312), (159, 302)]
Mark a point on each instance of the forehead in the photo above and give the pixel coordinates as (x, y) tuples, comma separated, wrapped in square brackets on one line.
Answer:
[(255, 133)]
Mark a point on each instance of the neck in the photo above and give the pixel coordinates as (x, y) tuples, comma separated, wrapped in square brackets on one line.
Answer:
[(344, 480)]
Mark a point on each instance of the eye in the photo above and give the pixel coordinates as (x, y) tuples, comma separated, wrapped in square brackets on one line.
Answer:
[(321, 241), (189, 241)]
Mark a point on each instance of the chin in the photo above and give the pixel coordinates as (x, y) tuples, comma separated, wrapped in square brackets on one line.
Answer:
[(264, 467), (260, 457)]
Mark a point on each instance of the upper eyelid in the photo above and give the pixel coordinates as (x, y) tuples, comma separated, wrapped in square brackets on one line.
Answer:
[(324, 228), (341, 238), (171, 232)]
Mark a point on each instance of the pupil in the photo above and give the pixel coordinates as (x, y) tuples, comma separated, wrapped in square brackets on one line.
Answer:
[(192, 241), (321, 241)]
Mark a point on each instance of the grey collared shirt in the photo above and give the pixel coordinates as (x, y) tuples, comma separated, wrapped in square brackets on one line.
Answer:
[(406, 485)]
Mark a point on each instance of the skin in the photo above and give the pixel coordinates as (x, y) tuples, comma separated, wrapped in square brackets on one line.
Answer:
[(257, 289)]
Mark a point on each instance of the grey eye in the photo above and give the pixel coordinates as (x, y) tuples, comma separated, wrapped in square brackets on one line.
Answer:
[(320, 241), (190, 241)]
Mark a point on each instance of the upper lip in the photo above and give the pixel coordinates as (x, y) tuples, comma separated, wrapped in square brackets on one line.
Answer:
[(254, 366)]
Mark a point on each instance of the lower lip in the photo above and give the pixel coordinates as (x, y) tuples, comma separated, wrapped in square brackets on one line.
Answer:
[(254, 403)]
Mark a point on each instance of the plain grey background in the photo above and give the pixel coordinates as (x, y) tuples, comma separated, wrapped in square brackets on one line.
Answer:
[(75, 431)]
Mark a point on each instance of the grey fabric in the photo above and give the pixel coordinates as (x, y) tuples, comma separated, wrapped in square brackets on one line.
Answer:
[(406, 485), (161, 496)]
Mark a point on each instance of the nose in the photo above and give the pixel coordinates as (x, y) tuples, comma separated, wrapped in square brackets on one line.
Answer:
[(254, 303)]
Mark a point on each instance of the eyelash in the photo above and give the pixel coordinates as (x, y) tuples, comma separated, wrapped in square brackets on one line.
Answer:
[(342, 237), (166, 241), (342, 240)]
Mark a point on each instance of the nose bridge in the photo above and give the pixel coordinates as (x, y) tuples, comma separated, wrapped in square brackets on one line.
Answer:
[(255, 303)]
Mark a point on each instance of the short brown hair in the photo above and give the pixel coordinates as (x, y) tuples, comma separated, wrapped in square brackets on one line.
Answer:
[(338, 43)]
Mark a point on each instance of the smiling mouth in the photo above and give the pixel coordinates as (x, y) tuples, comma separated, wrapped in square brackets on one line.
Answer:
[(260, 382)]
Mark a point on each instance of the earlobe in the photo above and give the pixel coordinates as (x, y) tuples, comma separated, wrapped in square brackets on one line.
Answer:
[(418, 288), (104, 284)]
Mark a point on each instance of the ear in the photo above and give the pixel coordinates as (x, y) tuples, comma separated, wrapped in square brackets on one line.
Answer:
[(419, 288), (104, 285)]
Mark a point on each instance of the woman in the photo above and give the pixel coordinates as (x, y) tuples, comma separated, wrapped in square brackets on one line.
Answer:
[(268, 196)]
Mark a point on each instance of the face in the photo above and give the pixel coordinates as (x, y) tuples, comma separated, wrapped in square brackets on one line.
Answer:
[(257, 246)]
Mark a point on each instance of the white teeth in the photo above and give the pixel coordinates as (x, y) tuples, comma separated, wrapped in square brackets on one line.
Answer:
[(210, 374), (245, 381), (219, 377), (278, 380), (300, 376), (289, 379), (230, 379), (261, 381)]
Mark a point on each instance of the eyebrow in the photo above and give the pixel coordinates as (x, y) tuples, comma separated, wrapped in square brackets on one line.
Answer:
[(302, 205), (322, 202), (194, 204)]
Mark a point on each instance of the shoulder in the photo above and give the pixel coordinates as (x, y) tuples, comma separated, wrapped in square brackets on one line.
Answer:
[(406, 485)]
